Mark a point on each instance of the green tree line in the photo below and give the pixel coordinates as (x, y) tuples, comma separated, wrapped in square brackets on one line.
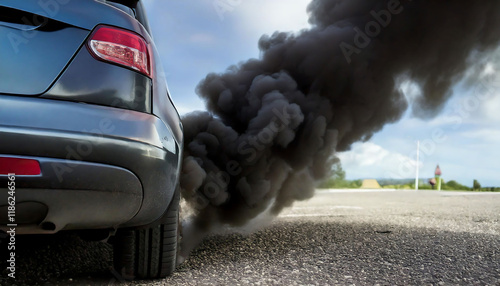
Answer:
[(338, 181)]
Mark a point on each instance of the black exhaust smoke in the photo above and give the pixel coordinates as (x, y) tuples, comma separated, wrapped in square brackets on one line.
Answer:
[(274, 124)]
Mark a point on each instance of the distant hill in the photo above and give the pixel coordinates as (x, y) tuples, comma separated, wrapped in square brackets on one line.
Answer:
[(370, 184), (391, 182), (342, 183)]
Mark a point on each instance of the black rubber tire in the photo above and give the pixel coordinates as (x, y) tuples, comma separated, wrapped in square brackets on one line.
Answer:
[(149, 252)]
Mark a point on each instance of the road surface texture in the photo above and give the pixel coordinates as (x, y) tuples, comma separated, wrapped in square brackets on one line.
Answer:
[(336, 238)]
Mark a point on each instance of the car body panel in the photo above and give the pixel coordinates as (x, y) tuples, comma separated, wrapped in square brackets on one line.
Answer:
[(91, 196), (93, 118), (79, 83), (138, 142)]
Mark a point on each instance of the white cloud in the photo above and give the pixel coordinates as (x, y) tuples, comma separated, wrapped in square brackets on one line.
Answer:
[(369, 160), (485, 135), (259, 17), (491, 108), (465, 154)]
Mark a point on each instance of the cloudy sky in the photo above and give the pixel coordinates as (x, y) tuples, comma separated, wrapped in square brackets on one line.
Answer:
[(200, 36)]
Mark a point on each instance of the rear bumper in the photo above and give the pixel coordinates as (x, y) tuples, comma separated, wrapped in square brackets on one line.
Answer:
[(91, 196), (102, 167)]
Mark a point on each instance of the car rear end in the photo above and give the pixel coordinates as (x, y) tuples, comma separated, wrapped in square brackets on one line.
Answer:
[(86, 121)]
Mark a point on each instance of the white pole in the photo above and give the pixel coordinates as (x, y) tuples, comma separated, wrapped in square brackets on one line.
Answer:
[(418, 161)]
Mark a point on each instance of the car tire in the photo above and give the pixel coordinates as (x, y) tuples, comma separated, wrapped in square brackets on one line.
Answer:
[(149, 252)]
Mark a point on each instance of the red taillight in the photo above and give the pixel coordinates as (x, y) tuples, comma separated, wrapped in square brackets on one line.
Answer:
[(18, 166), (121, 47)]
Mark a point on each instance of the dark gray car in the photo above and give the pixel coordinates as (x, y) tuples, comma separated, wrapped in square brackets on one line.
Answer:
[(89, 130)]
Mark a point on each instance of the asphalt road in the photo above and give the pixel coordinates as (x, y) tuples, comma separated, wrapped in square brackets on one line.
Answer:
[(337, 238)]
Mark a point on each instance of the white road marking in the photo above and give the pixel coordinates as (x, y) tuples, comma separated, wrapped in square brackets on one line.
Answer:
[(444, 193), (328, 208), (356, 190), (450, 194), (319, 209), (307, 215)]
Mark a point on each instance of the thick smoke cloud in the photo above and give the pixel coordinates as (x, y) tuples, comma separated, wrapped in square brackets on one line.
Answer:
[(274, 124)]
